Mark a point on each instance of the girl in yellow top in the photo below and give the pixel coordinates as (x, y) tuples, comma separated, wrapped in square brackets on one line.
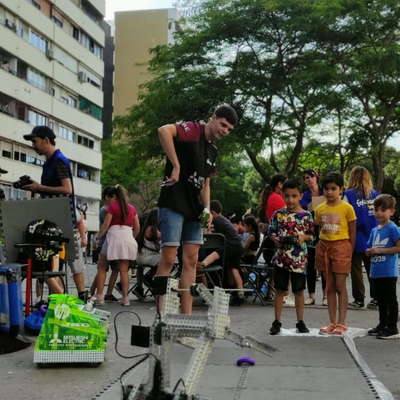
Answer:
[(337, 220)]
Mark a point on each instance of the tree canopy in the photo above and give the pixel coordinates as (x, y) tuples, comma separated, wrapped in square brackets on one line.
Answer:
[(315, 83)]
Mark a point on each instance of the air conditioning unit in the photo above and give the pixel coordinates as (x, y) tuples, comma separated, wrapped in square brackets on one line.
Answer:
[(49, 54), (82, 76)]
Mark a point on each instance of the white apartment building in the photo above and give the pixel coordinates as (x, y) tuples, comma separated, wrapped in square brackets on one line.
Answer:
[(51, 73)]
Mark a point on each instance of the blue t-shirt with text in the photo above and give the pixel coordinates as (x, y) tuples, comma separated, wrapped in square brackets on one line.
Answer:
[(384, 265)]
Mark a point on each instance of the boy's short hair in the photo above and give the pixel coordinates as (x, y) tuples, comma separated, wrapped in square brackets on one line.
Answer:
[(385, 201), (227, 112), (236, 219), (216, 206), (292, 184), (333, 177)]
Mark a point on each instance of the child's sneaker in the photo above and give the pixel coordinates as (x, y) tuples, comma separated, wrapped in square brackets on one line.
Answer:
[(357, 305), (373, 304), (301, 327), (275, 328), (110, 298), (389, 333), (376, 330), (125, 301)]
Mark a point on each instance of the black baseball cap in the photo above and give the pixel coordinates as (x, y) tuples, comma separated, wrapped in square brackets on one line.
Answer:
[(41, 131), (3, 171)]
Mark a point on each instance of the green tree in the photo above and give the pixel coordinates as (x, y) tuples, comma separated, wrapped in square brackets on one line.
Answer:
[(360, 41)]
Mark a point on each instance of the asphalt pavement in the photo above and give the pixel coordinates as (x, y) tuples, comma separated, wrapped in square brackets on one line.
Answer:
[(313, 367)]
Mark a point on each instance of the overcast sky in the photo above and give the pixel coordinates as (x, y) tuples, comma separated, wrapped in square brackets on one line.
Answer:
[(125, 5)]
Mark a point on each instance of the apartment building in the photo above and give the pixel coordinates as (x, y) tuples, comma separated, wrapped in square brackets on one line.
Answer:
[(51, 73), (136, 32)]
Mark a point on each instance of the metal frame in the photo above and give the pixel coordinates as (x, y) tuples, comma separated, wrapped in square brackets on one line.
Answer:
[(183, 329)]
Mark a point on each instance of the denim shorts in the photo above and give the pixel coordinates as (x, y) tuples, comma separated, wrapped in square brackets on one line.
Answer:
[(175, 229)]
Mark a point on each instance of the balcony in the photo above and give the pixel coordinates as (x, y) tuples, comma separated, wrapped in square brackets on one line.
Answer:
[(79, 153), (38, 21), (23, 50), (78, 119), (78, 51), (85, 89), (87, 189), (23, 91), (99, 5), (82, 20)]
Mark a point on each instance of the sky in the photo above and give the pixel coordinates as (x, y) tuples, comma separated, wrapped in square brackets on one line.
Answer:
[(128, 5)]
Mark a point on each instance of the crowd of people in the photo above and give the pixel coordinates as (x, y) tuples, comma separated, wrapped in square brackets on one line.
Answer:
[(324, 231)]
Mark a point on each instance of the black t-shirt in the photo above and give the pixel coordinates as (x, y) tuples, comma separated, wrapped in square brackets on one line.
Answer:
[(224, 226), (197, 162)]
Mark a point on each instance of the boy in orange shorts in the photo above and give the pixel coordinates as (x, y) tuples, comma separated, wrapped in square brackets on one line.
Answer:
[(337, 220)]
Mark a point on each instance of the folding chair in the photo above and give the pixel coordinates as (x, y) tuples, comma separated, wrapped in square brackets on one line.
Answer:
[(260, 274), (213, 241)]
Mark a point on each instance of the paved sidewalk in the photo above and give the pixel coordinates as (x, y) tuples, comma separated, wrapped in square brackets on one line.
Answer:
[(305, 368)]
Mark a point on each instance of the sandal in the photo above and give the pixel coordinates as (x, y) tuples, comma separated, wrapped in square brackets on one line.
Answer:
[(324, 301), (327, 330), (309, 302), (339, 329)]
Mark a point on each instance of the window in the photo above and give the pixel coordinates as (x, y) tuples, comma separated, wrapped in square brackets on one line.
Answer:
[(37, 119), (72, 101), (19, 194), (57, 22), (67, 134), (64, 100), (6, 154), (89, 108), (30, 160), (36, 79), (34, 3), (75, 33), (37, 41), (23, 157), (20, 31), (7, 191), (97, 50), (16, 155)]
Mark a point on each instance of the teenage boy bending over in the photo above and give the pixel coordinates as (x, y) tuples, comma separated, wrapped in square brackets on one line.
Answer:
[(191, 155), (290, 259)]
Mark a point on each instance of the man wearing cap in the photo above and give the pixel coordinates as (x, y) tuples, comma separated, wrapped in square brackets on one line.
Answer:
[(57, 179)]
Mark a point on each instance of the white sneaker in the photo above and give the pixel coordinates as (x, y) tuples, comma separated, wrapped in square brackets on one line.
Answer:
[(98, 299), (288, 301)]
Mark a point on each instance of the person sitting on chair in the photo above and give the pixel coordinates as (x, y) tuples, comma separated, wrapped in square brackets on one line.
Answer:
[(233, 250)]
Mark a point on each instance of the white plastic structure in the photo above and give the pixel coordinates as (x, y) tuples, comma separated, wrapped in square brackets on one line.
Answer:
[(174, 327)]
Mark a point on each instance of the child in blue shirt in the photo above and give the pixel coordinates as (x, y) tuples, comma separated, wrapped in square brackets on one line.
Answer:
[(383, 248)]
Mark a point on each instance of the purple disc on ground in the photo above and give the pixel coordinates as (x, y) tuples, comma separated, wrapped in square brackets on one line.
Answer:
[(245, 360), (43, 309)]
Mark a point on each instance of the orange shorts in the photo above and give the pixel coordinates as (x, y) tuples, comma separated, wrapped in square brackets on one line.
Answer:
[(333, 256)]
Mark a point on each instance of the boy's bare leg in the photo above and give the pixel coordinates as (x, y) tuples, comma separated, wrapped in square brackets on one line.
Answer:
[(278, 304), (165, 266), (111, 281), (340, 282), (299, 304), (188, 276)]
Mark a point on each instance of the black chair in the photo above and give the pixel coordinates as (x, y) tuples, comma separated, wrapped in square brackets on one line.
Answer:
[(213, 241), (261, 273)]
